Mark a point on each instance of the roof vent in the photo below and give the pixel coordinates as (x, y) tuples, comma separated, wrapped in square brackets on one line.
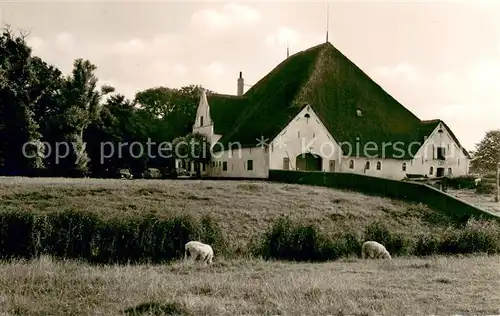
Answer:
[(359, 112)]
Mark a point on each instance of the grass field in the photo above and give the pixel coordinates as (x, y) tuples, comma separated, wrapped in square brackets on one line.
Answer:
[(439, 285), (244, 210)]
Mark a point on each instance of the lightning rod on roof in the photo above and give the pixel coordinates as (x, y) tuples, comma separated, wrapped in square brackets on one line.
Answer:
[(327, 20)]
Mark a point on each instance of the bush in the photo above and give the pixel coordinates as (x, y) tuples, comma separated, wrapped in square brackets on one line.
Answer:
[(396, 244), (485, 188), (426, 245), (462, 182), (476, 236), (82, 235), (289, 241)]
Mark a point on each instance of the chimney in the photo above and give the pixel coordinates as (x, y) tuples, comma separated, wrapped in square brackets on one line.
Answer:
[(240, 85)]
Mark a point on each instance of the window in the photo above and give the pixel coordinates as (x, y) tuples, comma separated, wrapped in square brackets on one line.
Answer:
[(379, 165), (314, 135), (201, 121), (298, 134), (224, 166), (359, 112), (441, 153), (203, 166), (332, 165), (351, 164), (449, 172), (367, 165), (404, 166), (307, 116), (431, 170), (249, 164), (286, 163)]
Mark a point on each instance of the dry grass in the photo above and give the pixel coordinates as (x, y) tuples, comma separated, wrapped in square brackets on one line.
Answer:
[(242, 209), (484, 201), (439, 285)]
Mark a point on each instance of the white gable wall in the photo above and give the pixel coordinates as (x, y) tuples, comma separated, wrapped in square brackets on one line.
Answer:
[(426, 156), (300, 136), (204, 123)]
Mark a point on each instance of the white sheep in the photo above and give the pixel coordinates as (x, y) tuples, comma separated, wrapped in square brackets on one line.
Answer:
[(372, 249), (198, 251)]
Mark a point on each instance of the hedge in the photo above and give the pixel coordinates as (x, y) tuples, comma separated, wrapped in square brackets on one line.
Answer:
[(83, 235)]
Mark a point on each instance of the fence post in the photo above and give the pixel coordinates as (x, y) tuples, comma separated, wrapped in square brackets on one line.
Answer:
[(497, 196)]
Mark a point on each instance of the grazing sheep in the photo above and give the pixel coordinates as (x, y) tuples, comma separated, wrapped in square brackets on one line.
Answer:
[(372, 249), (199, 251)]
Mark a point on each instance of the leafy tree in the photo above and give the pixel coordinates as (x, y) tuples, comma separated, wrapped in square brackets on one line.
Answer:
[(487, 153), (193, 147), (119, 122), (175, 107), (81, 100), (20, 90)]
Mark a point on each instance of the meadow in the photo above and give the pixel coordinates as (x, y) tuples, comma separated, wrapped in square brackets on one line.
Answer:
[(405, 286), (242, 209), (293, 222)]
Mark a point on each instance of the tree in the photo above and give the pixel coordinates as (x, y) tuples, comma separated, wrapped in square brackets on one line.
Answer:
[(81, 100), (119, 122), (193, 147), (21, 149), (175, 107), (487, 153)]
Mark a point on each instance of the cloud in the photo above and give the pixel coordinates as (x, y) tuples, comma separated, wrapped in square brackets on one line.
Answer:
[(214, 69), (485, 75), (229, 16), (35, 42), (402, 71), (65, 40), (297, 41), (282, 36)]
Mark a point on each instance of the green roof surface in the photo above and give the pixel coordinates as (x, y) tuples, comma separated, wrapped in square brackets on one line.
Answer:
[(335, 88), (224, 109)]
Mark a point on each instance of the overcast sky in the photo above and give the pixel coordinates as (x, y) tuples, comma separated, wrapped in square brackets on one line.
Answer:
[(440, 60)]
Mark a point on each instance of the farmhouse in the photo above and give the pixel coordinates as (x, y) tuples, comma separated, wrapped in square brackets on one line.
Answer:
[(317, 111)]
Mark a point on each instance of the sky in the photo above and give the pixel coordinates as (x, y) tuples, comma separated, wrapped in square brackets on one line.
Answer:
[(438, 59)]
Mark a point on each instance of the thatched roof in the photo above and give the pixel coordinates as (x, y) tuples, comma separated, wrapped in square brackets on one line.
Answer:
[(335, 88), (224, 109)]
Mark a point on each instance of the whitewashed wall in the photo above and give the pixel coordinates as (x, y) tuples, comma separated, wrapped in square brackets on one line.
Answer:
[(300, 136), (454, 156), (237, 163), (389, 168)]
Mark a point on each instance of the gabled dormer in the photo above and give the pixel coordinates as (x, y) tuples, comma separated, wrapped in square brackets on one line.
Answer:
[(203, 118)]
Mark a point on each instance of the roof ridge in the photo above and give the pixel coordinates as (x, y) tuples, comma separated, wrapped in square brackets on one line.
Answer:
[(226, 95), (312, 76)]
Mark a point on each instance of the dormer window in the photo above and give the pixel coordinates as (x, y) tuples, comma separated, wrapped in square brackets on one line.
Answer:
[(359, 112)]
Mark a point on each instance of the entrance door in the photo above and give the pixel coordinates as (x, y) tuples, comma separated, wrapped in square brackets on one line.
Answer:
[(439, 172), (286, 163), (332, 166)]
